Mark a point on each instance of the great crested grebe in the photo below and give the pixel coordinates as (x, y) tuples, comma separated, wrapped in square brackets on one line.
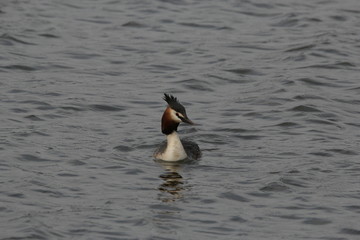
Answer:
[(175, 149)]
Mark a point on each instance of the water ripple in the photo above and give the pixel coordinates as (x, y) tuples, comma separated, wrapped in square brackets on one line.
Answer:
[(350, 231), (133, 24), (304, 108), (244, 71), (275, 187), (234, 197), (33, 158), (20, 67), (9, 40), (273, 86), (102, 107)]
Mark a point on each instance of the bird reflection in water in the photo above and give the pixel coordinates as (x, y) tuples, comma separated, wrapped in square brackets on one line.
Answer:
[(173, 186)]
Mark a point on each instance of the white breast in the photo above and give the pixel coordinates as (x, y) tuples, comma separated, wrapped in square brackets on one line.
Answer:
[(174, 150)]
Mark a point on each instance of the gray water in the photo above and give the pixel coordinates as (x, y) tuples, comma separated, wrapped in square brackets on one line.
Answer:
[(273, 85)]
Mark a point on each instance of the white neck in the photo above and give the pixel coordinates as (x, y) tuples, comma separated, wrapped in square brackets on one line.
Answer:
[(174, 150)]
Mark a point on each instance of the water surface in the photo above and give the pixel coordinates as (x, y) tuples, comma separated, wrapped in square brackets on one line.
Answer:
[(273, 86)]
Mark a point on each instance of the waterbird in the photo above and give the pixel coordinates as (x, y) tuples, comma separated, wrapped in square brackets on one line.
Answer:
[(175, 149)]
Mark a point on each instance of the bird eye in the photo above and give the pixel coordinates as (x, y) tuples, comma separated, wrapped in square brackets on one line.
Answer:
[(179, 116)]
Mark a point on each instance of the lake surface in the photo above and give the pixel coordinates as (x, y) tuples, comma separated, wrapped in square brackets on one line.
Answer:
[(273, 85)]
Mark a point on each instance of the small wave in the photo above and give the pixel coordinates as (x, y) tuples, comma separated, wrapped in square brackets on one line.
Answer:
[(293, 182), (82, 55), (198, 87), (275, 187), (59, 66), (34, 118), (101, 107), (176, 51), (19, 110), (196, 25), (301, 47), (252, 46), (223, 79), (16, 195), (308, 97), (76, 163), (123, 148), (322, 122), (40, 105), (48, 35), (316, 221), (338, 53), (248, 137), (196, 84), (233, 196), (71, 5), (338, 65), (350, 231), (48, 192), (304, 108), (233, 130), (343, 151), (98, 21), (164, 67), (17, 91), (20, 67), (8, 40), (256, 13), (212, 138), (311, 81), (321, 154), (33, 158), (244, 71), (288, 124), (52, 94), (72, 108), (133, 24), (292, 217), (339, 18), (287, 20)]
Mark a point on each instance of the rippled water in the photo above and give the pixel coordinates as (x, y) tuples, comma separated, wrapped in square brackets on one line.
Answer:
[(273, 85)]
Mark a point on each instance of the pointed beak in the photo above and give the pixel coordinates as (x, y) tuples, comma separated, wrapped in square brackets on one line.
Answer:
[(187, 120)]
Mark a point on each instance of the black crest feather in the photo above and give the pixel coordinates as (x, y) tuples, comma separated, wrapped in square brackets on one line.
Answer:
[(174, 103), (170, 99)]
